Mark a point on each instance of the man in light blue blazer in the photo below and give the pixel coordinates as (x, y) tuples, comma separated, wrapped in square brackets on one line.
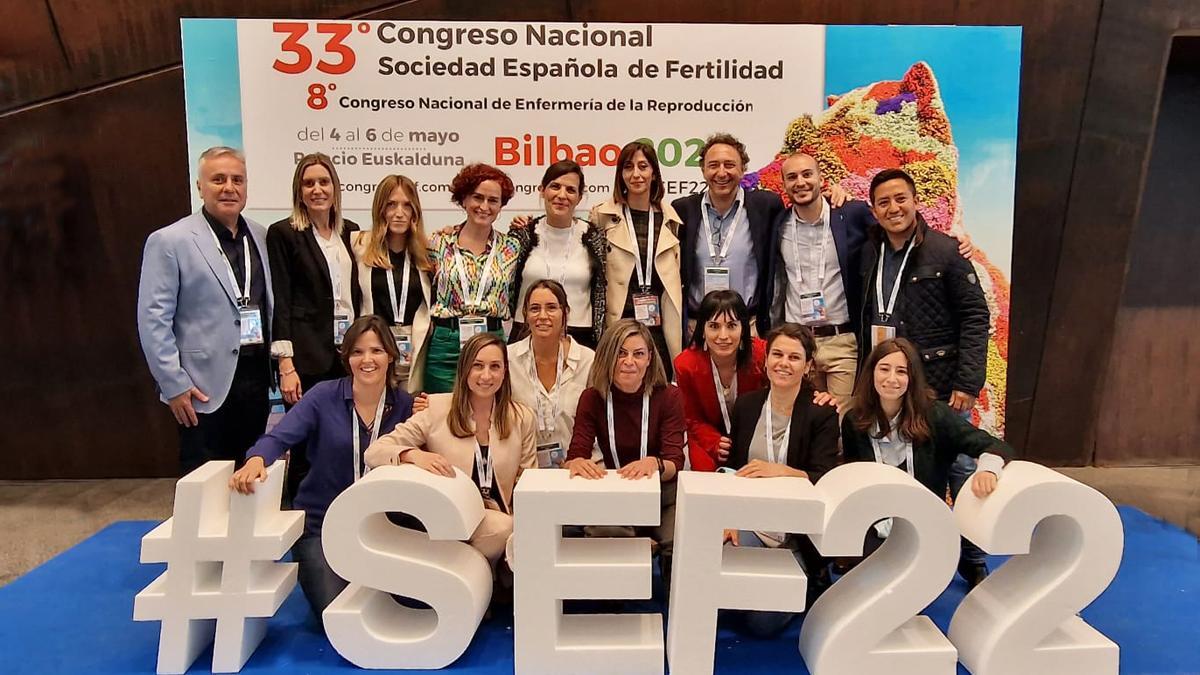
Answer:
[(204, 308)]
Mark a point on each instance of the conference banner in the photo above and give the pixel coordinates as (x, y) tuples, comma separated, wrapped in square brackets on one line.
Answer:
[(424, 98)]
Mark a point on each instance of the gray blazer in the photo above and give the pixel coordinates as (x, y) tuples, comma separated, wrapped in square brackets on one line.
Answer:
[(187, 310)]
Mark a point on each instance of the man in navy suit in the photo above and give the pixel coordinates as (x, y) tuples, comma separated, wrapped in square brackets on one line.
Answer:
[(727, 235), (816, 255), (204, 308)]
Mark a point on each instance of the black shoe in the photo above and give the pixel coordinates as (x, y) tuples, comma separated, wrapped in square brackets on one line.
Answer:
[(972, 573)]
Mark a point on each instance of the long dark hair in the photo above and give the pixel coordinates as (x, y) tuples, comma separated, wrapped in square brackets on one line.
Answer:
[(865, 408), (656, 184), (719, 303)]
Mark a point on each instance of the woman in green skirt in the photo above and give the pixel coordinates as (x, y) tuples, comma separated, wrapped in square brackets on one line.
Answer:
[(472, 272)]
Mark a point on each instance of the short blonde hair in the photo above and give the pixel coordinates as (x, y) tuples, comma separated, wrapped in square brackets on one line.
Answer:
[(606, 357), (376, 254), (300, 220)]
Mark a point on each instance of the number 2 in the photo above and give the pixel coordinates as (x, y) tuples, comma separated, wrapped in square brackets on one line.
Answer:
[(866, 622), (1066, 541)]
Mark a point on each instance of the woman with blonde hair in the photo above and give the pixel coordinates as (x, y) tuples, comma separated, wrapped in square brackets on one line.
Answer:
[(477, 428), (636, 418), (315, 282), (642, 265), (393, 272)]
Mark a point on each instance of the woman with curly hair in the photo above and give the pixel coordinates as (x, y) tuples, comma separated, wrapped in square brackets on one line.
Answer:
[(472, 273)]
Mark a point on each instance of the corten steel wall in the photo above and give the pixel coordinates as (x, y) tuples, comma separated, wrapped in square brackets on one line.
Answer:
[(93, 158)]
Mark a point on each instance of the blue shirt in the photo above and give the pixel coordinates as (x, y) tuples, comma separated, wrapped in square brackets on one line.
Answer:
[(743, 267), (322, 419)]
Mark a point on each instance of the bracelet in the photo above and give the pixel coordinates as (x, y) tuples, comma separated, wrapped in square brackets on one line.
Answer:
[(290, 372), (662, 468)]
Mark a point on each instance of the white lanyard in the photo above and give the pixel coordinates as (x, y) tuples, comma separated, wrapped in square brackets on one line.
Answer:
[(374, 433), (612, 437), (244, 296), (719, 259), (555, 393), (891, 306), (721, 399), (821, 226), (563, 256), (644, 278), (398, 311), (464, 284), (483, 466), (908, 460), (772, 456)]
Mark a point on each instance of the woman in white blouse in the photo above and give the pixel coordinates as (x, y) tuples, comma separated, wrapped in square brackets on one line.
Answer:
[(566, 249), (550, 369)]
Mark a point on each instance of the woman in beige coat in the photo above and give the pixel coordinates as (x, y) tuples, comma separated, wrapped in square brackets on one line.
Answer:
[(652, 294), (393, 272), (477, 428)]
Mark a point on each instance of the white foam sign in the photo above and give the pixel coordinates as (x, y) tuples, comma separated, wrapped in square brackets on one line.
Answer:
[(1065, 537)]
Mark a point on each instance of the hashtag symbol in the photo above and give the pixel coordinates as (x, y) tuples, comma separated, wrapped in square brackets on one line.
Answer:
[(222, 582)]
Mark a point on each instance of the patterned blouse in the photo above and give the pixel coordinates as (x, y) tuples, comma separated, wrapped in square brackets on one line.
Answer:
[(448, 300)]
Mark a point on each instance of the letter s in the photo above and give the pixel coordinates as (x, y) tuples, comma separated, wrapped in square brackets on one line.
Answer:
[(364, 624)]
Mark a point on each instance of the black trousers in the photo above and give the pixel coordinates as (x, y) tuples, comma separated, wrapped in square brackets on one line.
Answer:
[(229, 431)]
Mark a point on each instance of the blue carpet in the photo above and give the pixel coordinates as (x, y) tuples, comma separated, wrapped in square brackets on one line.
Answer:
[(74, 615)]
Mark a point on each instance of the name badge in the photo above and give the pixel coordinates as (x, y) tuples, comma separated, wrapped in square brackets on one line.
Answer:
[(341, 324), (250, 320), (880, 333), (716, 279), (403, 337), (646, 310), (812, 308), (469, 327), (550, 455)]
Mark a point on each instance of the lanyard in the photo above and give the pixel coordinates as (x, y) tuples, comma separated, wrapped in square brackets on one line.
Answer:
[(796, 247), (563, 256), (612, 437), (891, 305), (772, 456), (244, 295), (908, 460), (719, 258), (644, 278), (721, 399), (398, 311), (374, 433), (555, 393), (464, 284), (483, 466)]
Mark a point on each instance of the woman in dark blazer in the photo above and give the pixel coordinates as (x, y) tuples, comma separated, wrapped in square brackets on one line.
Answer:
[(315, 281), (895, 419), (779, 431)]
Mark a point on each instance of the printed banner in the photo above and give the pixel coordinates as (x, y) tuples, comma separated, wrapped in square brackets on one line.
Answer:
[(424, 98)]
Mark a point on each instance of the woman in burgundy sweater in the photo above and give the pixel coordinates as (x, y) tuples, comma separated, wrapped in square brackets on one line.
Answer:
[(630, 399)]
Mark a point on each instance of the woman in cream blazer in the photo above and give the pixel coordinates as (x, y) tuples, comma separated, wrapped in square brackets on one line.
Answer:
[(450, 438), (397, 238), (638, 191)]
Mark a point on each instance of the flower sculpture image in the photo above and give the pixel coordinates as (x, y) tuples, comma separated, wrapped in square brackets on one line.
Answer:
[(902, 124)]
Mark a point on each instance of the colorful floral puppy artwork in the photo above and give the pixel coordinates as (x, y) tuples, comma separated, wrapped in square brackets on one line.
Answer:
[(903, 124)]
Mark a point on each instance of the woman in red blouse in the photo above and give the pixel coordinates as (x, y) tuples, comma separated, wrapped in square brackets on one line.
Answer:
[(722, 352)]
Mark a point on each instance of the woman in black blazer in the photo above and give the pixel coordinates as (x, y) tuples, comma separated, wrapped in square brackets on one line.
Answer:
[(315, 280), (779, 431)]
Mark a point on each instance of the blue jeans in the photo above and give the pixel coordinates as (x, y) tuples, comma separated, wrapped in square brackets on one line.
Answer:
[(960, 473), (758, 623), (317, 580)]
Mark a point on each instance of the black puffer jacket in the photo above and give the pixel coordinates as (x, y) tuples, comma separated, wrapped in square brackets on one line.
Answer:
[(940, 307)]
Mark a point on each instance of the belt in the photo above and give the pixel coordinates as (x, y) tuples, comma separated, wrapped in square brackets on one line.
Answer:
[(493, 323), (829, 330)]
